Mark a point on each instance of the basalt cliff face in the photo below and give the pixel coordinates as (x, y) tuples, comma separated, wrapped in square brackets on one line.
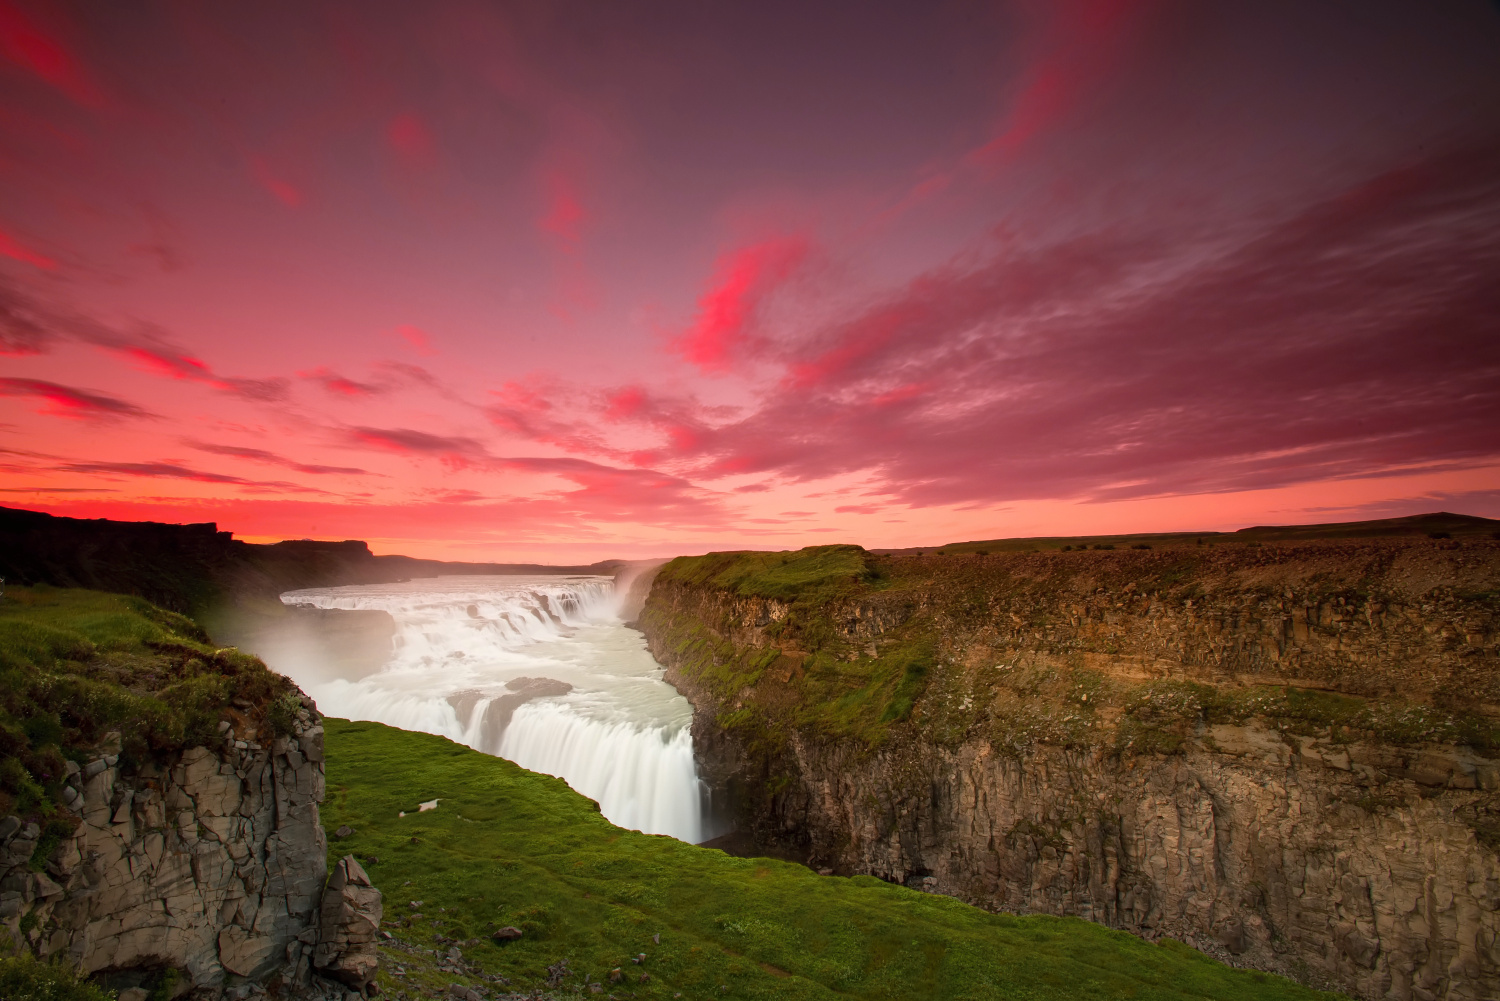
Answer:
[(159, 824), (1282, 754), (213, 866)]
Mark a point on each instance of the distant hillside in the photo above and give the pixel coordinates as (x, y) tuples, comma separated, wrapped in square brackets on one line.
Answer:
[(1438, 525), (196, 568)]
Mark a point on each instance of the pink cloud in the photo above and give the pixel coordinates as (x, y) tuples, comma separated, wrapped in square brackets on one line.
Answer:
[(176, 471), (608, 491), (286, 192), (565, 214), (271, 458), (727, 311), (454, 451), (28, 46), (66, 401), (14, 249), (1333, 343), (339, 385), (174, 364), (1082, 40), (418, 339)]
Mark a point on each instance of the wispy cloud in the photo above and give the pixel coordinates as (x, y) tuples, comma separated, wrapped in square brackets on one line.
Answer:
[(68, 401)]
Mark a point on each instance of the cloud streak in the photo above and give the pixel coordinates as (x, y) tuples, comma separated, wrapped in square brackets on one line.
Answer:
[(270, 458), (67, 401)]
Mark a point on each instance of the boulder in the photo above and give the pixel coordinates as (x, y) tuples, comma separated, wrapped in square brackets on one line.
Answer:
[(349, 923)]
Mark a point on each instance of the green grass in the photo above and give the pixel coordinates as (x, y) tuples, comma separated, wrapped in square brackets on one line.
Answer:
[(816, 573), (23, 978), (510, 847), (76, 665)]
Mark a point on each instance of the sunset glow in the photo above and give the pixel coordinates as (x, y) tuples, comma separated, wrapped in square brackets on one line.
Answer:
[(568, 281)]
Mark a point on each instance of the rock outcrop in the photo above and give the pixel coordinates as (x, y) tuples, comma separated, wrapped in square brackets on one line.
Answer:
[(1333, 850), (349, 921), (211, 863)]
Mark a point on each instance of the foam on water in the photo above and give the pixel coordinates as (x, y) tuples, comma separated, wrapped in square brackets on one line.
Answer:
[(537, 669)]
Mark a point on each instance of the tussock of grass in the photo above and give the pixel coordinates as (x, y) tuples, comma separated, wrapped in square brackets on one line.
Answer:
[(77, 664), (509, 847)]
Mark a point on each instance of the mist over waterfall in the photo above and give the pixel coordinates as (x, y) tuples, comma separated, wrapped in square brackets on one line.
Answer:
[(537, 669)]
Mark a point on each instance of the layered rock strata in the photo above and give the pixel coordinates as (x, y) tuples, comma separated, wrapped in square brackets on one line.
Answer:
[(1335, 856), (211, 863)]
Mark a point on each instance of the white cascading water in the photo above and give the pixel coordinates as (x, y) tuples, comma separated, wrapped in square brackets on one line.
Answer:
[(537, 669)]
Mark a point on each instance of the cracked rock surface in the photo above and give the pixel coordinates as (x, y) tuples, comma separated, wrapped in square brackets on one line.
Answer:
[(212, 862)]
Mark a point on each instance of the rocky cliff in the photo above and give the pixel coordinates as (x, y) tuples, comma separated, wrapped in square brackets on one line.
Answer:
[(183, 851), (1282, 754), (212, 867)]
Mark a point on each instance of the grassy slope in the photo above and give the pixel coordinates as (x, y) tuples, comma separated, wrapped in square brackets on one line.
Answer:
[(509, 847)]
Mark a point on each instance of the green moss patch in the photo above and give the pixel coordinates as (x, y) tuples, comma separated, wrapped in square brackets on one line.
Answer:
[(76, 665)]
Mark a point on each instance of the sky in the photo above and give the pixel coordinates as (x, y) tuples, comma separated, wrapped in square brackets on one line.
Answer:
[(565, 280)]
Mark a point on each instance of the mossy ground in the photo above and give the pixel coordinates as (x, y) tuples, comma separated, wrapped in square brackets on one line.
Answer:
[(510, 847), (76, 665)]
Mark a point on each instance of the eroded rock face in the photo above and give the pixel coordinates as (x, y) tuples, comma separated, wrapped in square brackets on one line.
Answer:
[(213, 864)]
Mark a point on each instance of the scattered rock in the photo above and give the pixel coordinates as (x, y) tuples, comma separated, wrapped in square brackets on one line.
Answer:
[(344, 831), (556, 972), (656, 939), (825, 872), (507, 934), (616, 975)]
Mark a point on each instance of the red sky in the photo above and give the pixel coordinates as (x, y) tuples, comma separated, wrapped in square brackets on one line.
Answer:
[(569, 280)]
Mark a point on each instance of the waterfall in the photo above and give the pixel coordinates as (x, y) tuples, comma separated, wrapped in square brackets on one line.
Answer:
[(536, 669)]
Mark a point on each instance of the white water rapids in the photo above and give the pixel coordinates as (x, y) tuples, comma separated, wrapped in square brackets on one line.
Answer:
[(537, 669)]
